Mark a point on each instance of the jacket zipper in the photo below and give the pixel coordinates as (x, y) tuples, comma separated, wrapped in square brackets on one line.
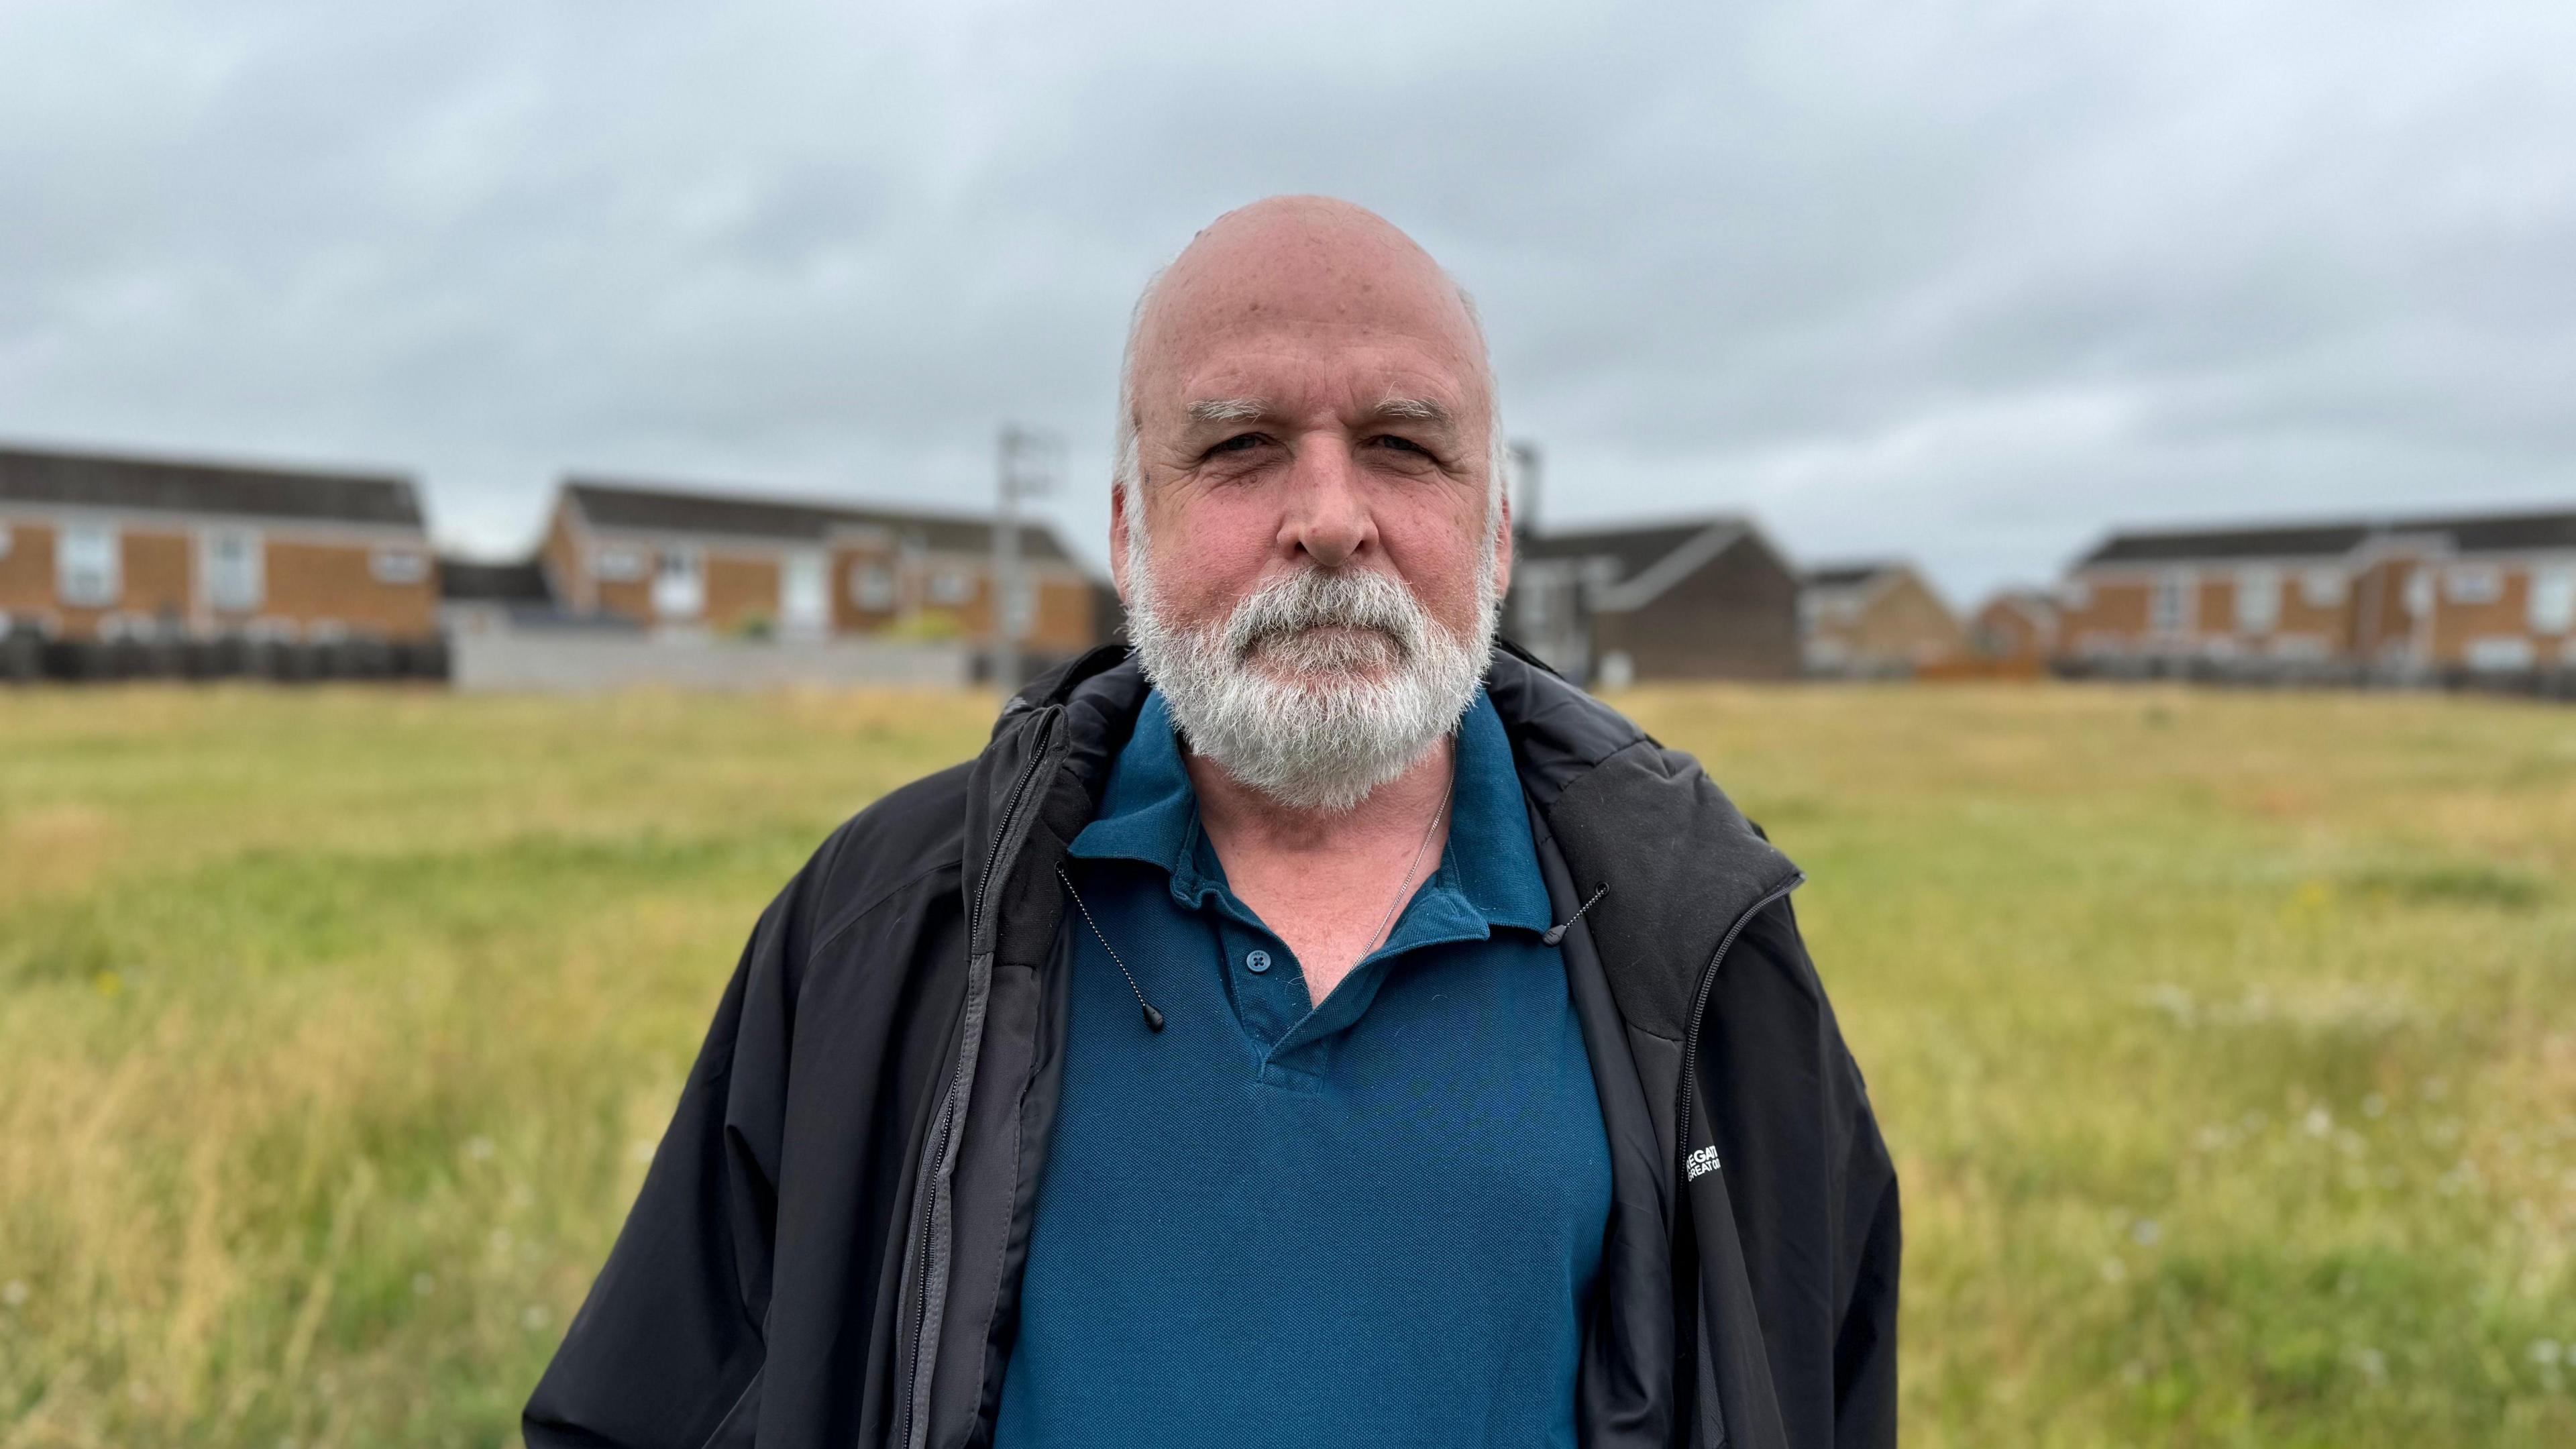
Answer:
[(957, 1075), (1699, 1002)]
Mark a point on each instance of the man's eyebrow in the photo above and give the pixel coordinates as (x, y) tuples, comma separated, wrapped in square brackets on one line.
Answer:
[(1228, 410), (1413, 409)]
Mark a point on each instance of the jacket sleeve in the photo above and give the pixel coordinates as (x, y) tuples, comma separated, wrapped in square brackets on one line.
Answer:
[(667, 1348), (1865, 1341)]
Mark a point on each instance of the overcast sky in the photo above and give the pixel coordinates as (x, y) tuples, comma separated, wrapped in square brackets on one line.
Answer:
[(1971, 281)]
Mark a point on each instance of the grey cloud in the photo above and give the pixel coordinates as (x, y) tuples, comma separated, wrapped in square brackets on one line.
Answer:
[(1971, 280)]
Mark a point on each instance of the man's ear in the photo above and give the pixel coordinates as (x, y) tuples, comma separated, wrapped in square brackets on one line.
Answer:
[(1118, 538)]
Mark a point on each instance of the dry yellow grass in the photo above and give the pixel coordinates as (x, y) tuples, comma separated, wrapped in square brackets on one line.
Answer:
[(2227, 1042)]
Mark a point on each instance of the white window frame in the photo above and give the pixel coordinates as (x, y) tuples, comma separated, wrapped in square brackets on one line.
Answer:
[(680, 582), (398, 566), (2473, 584), (619, 563), (872, 585), (2321, 588), (2182, 592), (2258, 600), (2550, 594), (952, 587), (2502, 654), (79, 585), (229, 592)]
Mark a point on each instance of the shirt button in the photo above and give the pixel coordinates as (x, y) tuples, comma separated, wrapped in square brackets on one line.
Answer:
[(1257, 962)]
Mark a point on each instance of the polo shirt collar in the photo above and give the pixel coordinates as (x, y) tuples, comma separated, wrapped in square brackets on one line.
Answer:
[(1149, 814)]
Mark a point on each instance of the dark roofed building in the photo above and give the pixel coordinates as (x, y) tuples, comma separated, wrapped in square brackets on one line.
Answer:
[(2476, 592), (667, 557), (101, 546), (1875, 617), (1697, 599)]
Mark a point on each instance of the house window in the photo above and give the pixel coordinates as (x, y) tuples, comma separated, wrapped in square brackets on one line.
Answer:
[(2502, 653), (872, 587), (2321, 588), (399, 566), (2258, 600), (2170, 610), (2553, 599), (2474, 583), (951, 586), (85, 565), (235, 580), (618, 564), (680, 583)]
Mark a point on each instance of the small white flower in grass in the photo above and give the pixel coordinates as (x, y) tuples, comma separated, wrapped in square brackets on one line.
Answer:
[(534, 1317), (2114, 1271), (2374, 1105), (14, 1293), (478, 1147), (2319, 1122), (423, 1284), (2146, 1232), (2372, 1363), (2547, 1352)]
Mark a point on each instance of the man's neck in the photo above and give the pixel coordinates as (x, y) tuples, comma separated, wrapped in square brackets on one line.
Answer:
[(1234, 814), (1328, 883)]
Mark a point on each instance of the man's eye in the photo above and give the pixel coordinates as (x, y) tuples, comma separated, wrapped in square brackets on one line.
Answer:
[(1240, 443), (1405, 445)]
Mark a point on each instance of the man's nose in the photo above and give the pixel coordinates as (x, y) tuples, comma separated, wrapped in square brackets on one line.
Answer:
[(1328, 513)]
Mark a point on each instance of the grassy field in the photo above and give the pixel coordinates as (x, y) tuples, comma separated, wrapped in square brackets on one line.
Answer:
[(2227, 1043)]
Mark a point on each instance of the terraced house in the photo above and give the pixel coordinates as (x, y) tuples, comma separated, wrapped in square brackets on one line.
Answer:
[(681, 560), (2492, 594), (100, 549)]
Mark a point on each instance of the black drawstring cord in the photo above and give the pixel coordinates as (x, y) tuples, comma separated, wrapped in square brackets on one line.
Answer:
[(1153, 1018), (1557, 932)]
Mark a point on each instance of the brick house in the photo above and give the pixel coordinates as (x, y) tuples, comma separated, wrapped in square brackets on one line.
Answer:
[(669, 559), (2472, 594), (98, 549), (1875, 618), (1706, 599), (2015, 626)]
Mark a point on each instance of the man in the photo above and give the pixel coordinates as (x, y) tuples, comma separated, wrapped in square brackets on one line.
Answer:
[(1317, 1027)]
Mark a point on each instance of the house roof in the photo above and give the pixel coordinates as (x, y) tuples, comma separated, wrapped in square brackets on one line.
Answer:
[(98, 480), (654, 508), (2465, 533), (462, 581), (1634, 549), (1850, 575), (1647, 559)]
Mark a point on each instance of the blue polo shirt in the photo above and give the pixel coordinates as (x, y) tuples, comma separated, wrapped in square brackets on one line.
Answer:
[(1374, 1221)]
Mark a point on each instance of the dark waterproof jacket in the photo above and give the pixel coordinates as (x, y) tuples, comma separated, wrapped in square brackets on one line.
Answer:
[(827, 1248)]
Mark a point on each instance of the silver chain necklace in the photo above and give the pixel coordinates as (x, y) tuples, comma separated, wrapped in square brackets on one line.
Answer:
[(1404, 887)]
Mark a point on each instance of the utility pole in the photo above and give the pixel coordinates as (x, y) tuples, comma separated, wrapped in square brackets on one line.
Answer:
[(1027, 457), (1524, 472)]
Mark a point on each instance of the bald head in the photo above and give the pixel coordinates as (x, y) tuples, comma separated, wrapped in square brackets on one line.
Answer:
[(1309, 272)]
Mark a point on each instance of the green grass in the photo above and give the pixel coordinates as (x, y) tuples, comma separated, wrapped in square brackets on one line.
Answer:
[(2227, 1042)]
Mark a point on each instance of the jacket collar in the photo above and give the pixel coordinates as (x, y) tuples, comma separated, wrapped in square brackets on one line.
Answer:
[(1681, 865)]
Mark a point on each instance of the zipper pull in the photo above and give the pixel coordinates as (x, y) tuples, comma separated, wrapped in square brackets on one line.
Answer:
[(1557, 932)]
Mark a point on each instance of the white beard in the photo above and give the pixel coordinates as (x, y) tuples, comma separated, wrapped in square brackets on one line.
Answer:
[(1320, 687)]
